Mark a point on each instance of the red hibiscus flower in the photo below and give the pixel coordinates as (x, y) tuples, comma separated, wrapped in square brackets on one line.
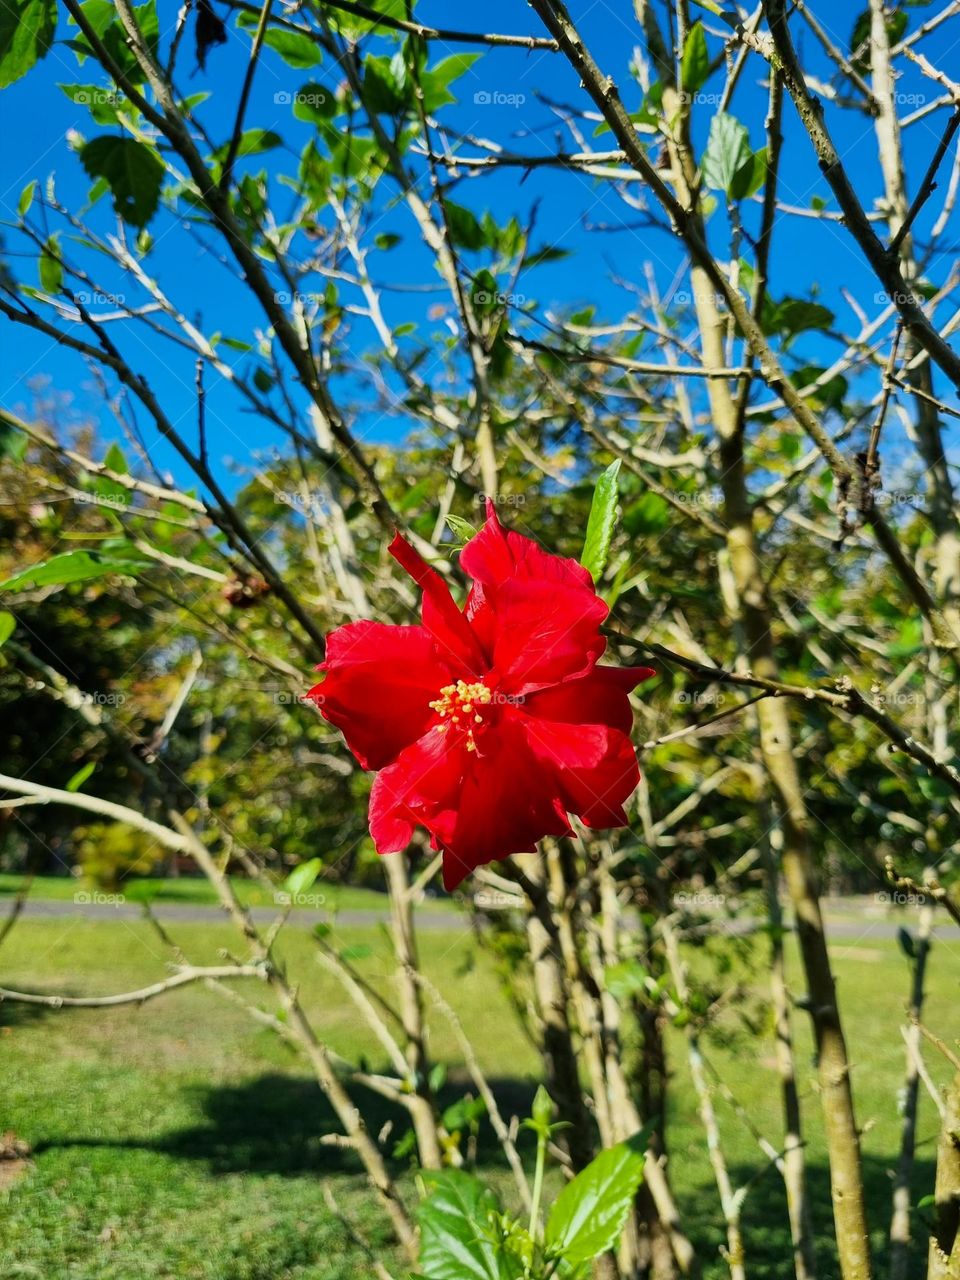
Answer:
[(486, 725)]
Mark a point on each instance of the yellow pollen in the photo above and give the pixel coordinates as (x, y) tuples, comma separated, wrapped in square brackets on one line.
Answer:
[(462, 698)]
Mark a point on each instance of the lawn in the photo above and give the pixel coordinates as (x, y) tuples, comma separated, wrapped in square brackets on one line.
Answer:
[(180, 1139)]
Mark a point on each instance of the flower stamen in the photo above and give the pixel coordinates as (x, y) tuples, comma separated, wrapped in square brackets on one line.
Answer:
[(462, 699)]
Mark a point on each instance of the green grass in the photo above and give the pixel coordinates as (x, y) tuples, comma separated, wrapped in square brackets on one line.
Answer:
[(181, 1139), (197, 891)]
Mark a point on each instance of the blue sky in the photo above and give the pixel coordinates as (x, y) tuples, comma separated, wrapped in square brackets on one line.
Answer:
[(501, 98)]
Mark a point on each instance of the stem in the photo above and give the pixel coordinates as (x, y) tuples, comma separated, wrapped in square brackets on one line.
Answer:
[(538, 1185)]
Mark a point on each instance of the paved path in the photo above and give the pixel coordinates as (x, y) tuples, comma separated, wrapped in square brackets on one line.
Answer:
[(876, 927)]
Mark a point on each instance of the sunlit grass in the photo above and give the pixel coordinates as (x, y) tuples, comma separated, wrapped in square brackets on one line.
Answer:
[(197, 891), (182, 1139)]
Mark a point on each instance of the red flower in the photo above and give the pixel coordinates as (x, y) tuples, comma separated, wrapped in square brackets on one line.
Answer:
[(488, 725)]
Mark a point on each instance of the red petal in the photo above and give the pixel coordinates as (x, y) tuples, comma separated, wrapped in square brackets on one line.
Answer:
[(580, 733), (421, 786), (379, 683), (537, 615), (597, 698), (546, 633), (441, 616), (495, 555), (505, 806), (593, 767)]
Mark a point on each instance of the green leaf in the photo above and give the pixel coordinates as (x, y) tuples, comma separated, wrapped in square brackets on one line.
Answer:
[(74, 566), (103, 104), (729, 164), (896, 24), (751, 176), (549, 253), (50, 266), (435, 81), (796, 315), (115, 460), (80, 777), (455, 1242), (252, 143), (461, 529), (695, 66), (26, 198), (134, 172), (465, 1113), (354, 26), (600, 525), (295, 49), (314, 103), (354, 157), (255, 141), (102, 18), (438, 1076), (8, 624), (301, 878), (13, 443), (26, 33), (728, 146), (626, 979), (386, 89), (649, 514), (465, 229), (588, 1215)]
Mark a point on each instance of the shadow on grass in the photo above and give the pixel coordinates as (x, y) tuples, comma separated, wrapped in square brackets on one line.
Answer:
[(765, 1223), (275, 1124), (16, 1013)]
